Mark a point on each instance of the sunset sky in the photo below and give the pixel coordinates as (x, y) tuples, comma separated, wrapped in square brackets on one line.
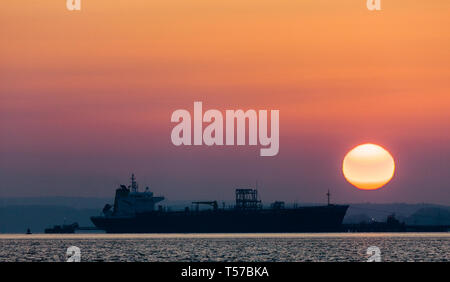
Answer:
[(86, 96)]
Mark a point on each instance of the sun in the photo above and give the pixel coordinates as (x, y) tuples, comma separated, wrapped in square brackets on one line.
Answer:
[(368, 166)]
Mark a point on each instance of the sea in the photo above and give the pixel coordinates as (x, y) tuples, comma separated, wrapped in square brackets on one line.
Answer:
[(317, 247)]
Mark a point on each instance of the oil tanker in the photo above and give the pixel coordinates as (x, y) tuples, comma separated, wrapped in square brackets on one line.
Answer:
[(135, 212)]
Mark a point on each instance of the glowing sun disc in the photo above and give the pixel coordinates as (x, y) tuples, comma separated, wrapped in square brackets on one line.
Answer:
[(368, 166)]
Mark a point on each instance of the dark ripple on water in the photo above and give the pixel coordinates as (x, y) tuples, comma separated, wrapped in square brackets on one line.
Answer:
[(308, 248)]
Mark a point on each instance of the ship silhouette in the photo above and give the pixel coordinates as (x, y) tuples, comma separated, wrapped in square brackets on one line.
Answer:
[(135, 212)]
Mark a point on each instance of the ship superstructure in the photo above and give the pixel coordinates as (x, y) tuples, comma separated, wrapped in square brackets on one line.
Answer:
[(129, 201)]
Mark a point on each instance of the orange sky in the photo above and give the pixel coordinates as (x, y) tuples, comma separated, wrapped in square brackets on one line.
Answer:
[(72, 81)]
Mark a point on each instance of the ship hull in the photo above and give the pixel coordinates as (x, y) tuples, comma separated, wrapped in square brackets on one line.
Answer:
[(304, 219)]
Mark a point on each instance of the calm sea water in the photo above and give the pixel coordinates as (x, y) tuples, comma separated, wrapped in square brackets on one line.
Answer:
[(227, 247)]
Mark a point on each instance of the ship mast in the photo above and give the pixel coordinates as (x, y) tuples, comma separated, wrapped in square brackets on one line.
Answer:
[(328, 196), (134, 185)]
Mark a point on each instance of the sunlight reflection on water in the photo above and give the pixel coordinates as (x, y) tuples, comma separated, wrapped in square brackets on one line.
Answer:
[(227, 247)]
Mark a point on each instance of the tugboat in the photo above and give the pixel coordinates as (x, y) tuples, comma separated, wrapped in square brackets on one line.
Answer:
[(134, 212), (62, 229)]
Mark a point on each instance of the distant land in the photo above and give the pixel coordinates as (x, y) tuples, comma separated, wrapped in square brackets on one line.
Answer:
[(18, 214)]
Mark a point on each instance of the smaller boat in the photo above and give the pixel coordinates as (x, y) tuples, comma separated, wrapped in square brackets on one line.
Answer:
[(29, 231), (62, 229)]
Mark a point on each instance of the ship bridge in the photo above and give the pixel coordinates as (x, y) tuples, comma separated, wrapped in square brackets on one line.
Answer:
[(129, 201)]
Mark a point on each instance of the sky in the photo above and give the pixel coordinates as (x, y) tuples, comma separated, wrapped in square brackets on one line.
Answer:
[(86, 96)]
